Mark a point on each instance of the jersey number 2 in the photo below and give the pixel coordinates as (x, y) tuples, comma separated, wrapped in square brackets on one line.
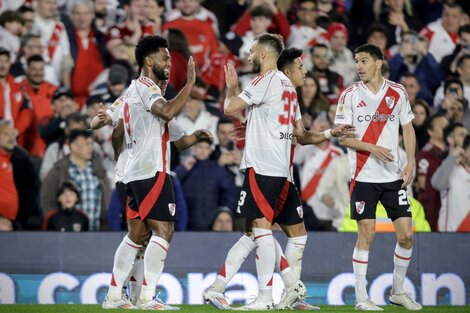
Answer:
[(289, 100)]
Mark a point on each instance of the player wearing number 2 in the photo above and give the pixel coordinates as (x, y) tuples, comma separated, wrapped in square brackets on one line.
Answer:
[(377, 107)]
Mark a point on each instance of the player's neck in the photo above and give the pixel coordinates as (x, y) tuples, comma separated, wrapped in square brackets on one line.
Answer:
[(375, 84), (149, 74), (268, 66), (323, 145)]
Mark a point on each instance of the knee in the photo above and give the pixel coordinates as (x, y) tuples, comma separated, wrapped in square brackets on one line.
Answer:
[(139, 236), (405, 240), (365, 239)]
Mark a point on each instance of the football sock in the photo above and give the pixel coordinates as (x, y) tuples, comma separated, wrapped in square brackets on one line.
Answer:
[(235, 258), (137, 276), (295, 252), (360, 260), (123, 260), (265, 262), (401, 259), (154, 260), (287, 274)]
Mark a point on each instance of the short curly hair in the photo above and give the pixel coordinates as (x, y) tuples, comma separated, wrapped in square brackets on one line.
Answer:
[(147, 46)]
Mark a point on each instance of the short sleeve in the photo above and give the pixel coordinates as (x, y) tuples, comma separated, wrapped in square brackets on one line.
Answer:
[(148, 91), (255, 92), (121, 112), (176, 131), (115, 108), (406, 113), (298, 115), (344, 109)]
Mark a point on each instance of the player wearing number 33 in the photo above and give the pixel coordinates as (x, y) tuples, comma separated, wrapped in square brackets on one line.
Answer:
[(377, 108), (272, 119)]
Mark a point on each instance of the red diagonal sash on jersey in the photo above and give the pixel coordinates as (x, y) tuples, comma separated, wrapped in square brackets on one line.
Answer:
[(154, 193), (312, 185), (373, 132), (54, 40)]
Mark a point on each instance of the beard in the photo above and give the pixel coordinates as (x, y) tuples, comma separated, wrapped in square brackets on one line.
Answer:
[(160, 73), (101, 15), (256, 66)]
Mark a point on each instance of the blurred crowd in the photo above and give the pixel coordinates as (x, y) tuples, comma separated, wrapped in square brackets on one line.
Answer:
[(60, 59)]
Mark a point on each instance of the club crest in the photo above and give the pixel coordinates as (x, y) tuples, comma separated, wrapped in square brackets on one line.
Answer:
[(360, 205), (390, 101), (172, 208)]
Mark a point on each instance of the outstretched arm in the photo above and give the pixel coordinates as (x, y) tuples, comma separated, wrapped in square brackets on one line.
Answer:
[(307, 137), (189, 140), (167, 110)]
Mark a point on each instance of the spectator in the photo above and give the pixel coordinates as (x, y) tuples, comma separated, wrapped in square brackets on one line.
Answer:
[(414, 58), (334, 189), (87, 173), (398, 20), (313, 162), (52, 129), (10, 30), (449, 62), (377, 35), (55, 37), (413, 88), (67, 216), (104, 18), (452, 89), (14, 105), (155, 9), (226, 153), (223, 220), (9, 203), (453, 179), (61, 148), (455, 110), (443, 33), (427, 161), (279, 24), (420, 123), (311, 100), (27, 14), (206, 186), (333, 10), (114, 86), (21, 194), (193, 117), (331, 83), (179, 52), (260, 19), (342, 60), (40, 93), (306, 33), (31, 44), (87, 47), (200, 35), (134, 27), (193, 7)]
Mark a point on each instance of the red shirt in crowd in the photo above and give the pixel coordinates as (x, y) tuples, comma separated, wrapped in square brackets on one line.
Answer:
[(19, 111), (427, 162), (121, 31), (41, 101), (8, 193), (200, 36)]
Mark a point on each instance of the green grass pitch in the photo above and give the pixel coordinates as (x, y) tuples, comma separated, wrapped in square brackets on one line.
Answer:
[(83, 308)]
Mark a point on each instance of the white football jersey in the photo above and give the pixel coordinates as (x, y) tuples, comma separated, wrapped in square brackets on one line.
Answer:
[(271, 115), (454, 215), (377, 119), (147, 136)]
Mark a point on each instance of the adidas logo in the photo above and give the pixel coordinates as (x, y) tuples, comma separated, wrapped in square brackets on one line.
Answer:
[(361, 104)]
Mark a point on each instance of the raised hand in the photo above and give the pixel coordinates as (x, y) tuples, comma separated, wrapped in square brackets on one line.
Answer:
[(238, 133), (191, 74), (344, 130), (103, 117), (231, 77), (382, 153)]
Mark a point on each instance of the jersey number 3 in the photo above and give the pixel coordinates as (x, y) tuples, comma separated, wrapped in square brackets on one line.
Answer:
[(127, 119), (289, 100)]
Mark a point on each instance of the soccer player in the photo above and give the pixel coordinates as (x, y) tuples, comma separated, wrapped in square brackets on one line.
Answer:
[(266, 159), (377, 107), (146, 116), (289, 215)]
